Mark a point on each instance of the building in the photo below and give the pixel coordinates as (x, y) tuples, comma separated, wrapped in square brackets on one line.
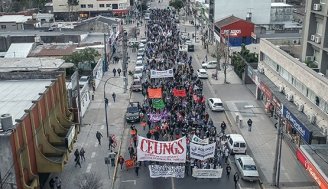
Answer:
[(13, 22), (237, 31), (257, 11), (315, 32), (281, 12), (313, 158), (298, 93), (37, 131), (86, 8)]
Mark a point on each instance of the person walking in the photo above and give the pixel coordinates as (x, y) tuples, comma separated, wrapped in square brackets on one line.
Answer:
[(110, 143), (114, 96), (228, 169), (236, 178), (249, 123), (82, 152), (76, 154), (131, 151), (121, 161), (52, 183), (112, 158), (58, 183), (119, 71), (223, 127), (78, 161), (226, 154), (98, 136), (114, 72)]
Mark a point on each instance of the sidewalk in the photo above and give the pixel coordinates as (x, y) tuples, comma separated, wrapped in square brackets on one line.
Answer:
[(94, 120), (261, 140)]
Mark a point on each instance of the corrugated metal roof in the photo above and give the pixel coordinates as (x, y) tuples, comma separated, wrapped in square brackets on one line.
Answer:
[(14, 18), (17, 95), (21, 64), (227, 21), (19, 50)]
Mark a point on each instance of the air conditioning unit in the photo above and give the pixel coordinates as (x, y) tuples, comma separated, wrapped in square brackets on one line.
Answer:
[(300, 107), (317, 7), (317, 39), (309, 58), (290, 97), (261, 70), (281, 89), (313, 118), (312, 37)]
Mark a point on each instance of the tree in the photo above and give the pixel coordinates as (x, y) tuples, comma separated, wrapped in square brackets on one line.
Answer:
[(177, 4), (88, 181)]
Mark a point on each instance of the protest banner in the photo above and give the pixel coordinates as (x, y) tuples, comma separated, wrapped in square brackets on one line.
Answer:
[(129, 163), (195, 139), (179, 92), (166, 171), (158, 104), (207, 173), (202, 152), (163, 151), (155, 93), (161, 74)]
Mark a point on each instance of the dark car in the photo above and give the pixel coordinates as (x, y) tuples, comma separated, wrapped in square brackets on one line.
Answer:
[(133, 112)]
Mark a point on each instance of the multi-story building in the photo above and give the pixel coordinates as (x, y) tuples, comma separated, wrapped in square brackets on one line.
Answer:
[(87, 8), (315, 39)]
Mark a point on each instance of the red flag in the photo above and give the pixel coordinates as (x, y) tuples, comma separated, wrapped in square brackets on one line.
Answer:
[(179, 92), (155, 93)]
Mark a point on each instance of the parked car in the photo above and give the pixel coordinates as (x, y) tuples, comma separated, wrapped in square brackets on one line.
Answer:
[(140, 58), (133, 112), (83, 80), (136, 85), (215, 104), (237, 144), (247, 167), (138, 72), (210, 65), (202, 74), (133, 42), (141, 45), (139, 64), (143, 40)]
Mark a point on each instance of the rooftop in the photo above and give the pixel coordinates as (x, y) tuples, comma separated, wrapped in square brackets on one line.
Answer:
[(24, 64), (228, 20), (280, 5), (319, 154), (53, 49), (19, 50), (17, 95), (14, 18)]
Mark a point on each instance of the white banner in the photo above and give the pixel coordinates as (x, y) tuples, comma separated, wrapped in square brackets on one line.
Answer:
[(166, 171), (161, 74), (202, 152), (207, 173), (195, 139), (163, 151)]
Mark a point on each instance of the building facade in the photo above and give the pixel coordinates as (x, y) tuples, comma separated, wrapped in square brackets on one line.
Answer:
[(37, 131), (86, 9), (297, 92), (315, 40)]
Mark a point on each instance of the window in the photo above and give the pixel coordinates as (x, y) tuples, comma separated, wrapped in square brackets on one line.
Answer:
[(242, 145), (101, 5), (3, 26), (114, 6), (83, 6), (236, 144), (109, 5), (90, 5)]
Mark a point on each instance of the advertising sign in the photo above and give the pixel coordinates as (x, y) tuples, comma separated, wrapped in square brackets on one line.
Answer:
[(266, 91), (301, 129), (161, 74), (156, 171), (163, 151), (195, 139), (207, 173), (202, 152)]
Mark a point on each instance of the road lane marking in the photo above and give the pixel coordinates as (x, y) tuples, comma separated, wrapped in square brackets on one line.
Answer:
[(134, 181), (172, 181), (93, 154), (89, 168)]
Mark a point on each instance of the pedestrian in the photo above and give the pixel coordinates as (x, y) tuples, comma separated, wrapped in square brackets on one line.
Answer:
[(58, 183), (131, 151), (135, 140), (226, 154), (112, 158), (98, 136), (114, 72), (228, 169), (119, 71), (82, 152), (249, 122), (78, 161), (114, 96), (76, 154), (121, 161), (110, 143), (223, 127), (236, 178), (271, 109), (137, 168), (52, 183)]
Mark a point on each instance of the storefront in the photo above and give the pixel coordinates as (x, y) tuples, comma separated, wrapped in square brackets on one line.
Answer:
[(313, 158)]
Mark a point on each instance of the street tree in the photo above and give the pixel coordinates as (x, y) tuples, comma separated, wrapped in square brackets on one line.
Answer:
[(177, 4), (88, 181)]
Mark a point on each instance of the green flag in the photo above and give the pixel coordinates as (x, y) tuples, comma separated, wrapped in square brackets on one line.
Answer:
[(158, 104)]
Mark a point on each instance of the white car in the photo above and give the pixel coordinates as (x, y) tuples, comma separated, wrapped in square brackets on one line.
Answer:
[(215, 104), (83, 80), (210, 65), (247, 168), (141, 45), (143, 40), (139, 64), (202, 74), (140, 58), (138, 72)]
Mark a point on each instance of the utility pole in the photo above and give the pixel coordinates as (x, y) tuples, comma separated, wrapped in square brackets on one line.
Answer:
[(277, 160), (125, 60), (105, 53), (195, 11), (227, 57)]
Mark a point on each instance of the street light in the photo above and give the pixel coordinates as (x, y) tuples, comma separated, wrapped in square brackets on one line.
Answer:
[(106, 105)]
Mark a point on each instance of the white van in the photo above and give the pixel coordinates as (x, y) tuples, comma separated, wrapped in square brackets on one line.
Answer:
[(237, 144)]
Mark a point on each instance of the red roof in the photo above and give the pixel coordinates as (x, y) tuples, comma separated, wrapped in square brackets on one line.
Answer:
[(229, 20)]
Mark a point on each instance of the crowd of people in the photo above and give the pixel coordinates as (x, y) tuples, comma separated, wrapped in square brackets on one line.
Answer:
[(182, 115)]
